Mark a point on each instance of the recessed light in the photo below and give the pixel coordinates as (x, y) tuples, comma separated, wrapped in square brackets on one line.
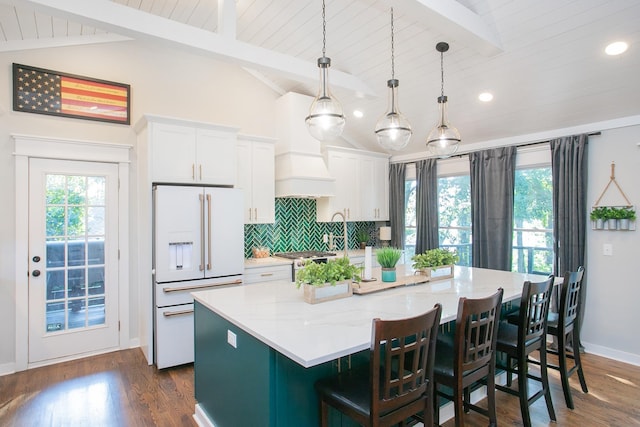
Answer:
[(485, 96), (357, 113), (616, 48)]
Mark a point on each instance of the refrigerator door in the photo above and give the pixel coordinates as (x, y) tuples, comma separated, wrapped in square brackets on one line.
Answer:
[(224, 232), (178, 233)]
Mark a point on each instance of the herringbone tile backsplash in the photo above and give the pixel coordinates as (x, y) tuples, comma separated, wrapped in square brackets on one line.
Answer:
[(296, 229)]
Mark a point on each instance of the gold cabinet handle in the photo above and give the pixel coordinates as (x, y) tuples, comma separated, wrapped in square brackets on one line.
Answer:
[(176, 313), (193, 171), (209, 231), (200, 287), (201, 197), (200, 172)]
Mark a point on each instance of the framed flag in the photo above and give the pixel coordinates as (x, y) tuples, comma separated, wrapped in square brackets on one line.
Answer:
[(40, 91)]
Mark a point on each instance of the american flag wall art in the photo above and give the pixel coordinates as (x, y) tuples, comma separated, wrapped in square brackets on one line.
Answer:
[(40, 91)]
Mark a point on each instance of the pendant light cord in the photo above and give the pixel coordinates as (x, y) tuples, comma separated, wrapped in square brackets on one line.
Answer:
[(442, 74), (393, 62), (324, 31)]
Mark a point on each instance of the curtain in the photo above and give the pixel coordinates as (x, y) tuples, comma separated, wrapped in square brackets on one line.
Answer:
[(426, 205), (569, 178), (396, 203), (492, 184), (569, 172)]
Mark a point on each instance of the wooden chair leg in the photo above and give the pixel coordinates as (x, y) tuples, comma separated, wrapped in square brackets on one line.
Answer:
[(576, 356), (324, 414), (436, 406), (523, 391), (544, 377), (459, 407), (491, 398), (562, 364)]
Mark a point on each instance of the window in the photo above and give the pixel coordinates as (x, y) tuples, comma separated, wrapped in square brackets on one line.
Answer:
[(410, 218), (454, 215), (533, 221)]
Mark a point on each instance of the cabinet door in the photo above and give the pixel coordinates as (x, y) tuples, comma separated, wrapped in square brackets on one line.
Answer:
[(244, 179), (367, 189), (173, 153), (216, 157), (381, 189), (263, 183), (344, 168)]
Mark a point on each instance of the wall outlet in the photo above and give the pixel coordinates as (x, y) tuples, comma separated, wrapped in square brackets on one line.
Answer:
[(607, 249), (232, 339)]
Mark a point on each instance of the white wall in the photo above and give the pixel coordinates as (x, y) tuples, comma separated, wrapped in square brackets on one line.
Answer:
[(165, 82), (613, 283)]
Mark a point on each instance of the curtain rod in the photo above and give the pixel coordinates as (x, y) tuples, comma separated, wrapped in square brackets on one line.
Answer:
[(526, 144)]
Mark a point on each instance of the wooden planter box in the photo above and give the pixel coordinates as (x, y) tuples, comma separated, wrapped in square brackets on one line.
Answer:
[(327, 292), (438, 273)]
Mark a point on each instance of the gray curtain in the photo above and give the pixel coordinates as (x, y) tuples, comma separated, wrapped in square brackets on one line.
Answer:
[(426, 205), (396, 203), (492, 184), (569, 171)]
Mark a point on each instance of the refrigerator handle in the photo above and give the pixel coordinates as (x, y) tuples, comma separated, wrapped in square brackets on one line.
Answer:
[(208, 231), (201, 197)]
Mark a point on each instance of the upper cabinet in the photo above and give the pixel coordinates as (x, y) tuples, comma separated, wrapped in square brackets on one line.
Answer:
[(256, 176), (188, 152), (362, 186)]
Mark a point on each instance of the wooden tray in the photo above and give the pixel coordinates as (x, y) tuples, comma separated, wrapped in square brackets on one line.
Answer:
[(368, 287)]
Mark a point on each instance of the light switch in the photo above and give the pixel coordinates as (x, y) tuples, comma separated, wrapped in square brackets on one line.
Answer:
[(607, 249), (232, 339)]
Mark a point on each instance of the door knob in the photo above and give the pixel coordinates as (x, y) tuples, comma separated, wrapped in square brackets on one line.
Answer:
[(35, 273), (36, 258)]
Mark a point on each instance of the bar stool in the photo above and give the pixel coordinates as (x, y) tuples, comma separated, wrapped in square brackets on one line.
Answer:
[(517, 342), (471, 358), (565, 326), (398, 381)]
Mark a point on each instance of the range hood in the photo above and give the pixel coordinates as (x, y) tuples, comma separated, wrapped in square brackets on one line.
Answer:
[(300, 167)]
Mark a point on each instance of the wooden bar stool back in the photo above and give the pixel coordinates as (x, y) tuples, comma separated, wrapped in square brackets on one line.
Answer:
[(397, 383), (564, 325), (518, 341), (471, 358)]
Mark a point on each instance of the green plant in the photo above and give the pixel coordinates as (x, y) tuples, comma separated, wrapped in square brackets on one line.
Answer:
[(600, 212), (388, 257), (625, 212), (362, 236), (434, 258), (333, 271), (612, 212)]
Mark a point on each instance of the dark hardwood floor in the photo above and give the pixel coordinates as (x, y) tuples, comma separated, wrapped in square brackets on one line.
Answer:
[(120, 389)]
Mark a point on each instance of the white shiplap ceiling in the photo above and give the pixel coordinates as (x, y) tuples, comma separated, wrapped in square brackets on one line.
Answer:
[(543, 60)]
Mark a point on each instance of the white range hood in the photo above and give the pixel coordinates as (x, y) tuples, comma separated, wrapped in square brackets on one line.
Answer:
[(300, 167)]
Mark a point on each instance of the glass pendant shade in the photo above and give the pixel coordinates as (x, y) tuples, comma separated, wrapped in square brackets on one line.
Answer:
[(443, 140), (393, 130), (326, 118)]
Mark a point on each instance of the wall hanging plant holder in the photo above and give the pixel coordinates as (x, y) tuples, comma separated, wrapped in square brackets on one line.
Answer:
[(620, 217)]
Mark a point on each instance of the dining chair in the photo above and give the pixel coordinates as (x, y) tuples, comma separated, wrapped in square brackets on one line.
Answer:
[(518, 341), (396, 384), (470, 358), (565, 326)]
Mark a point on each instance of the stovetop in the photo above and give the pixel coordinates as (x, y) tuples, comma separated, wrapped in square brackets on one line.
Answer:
[(304, 254)]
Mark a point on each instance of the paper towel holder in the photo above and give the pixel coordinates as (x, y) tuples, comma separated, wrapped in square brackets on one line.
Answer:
[(385, 235)]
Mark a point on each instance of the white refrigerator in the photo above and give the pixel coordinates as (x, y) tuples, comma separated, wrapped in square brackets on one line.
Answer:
[(198, 244)]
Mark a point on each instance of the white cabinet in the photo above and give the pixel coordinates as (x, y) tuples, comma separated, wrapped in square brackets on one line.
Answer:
[(362, 186), (256, 176), (186, 152), (267, 274)]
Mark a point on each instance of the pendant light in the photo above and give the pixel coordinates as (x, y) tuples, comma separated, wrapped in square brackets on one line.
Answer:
[(444, 139), (393, 130), (326, 119)]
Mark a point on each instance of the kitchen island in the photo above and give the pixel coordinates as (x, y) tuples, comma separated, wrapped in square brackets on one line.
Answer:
[(260, 348)]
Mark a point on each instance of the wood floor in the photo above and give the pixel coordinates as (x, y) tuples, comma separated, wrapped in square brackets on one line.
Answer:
[(120, 389)]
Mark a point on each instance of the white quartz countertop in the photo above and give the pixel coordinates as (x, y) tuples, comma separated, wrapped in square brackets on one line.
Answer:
[(310, 334)]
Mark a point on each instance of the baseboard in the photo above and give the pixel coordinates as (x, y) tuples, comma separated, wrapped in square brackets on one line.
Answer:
[(134, 343), (201, 417), (609, 353), (7, 368)]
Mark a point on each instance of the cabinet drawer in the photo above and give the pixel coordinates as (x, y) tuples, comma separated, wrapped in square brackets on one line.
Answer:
[(267, 274), (174, 335)]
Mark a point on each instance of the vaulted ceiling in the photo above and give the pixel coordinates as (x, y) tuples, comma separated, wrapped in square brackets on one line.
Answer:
[(543, 60)]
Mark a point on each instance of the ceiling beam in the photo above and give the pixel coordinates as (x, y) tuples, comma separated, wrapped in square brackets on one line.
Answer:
[(129, 22), (454, 20)]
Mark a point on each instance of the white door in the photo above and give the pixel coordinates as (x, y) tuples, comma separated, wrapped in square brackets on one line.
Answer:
[(73, 258)]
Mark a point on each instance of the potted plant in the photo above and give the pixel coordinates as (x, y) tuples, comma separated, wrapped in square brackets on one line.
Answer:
[(599, 215), (388, 257), (327, 281), (435, 263), (362, 237), (625, 215)]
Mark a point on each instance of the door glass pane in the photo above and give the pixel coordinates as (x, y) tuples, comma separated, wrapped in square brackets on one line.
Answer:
[(75, 226)]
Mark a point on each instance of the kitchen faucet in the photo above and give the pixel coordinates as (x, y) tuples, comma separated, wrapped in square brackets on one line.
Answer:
[(344, 236)]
